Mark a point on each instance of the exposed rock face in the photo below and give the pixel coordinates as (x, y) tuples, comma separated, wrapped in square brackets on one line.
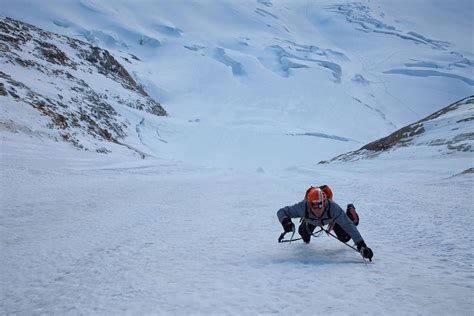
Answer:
[(79, 87), (449, 128)]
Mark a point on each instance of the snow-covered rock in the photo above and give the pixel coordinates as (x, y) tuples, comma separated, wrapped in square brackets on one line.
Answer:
[(75, 89), (449, 130)]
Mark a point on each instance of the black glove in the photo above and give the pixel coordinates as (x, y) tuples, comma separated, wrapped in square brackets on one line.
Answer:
[(288, 225), (365, 251)]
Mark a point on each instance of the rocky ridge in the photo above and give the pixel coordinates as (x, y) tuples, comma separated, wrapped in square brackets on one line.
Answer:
[(80, 88), (449, 129)]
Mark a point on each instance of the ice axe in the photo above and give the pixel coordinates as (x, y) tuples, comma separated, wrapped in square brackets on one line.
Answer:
[(282, 235)]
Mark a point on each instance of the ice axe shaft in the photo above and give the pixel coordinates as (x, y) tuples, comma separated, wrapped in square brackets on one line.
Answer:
[(352, 247)]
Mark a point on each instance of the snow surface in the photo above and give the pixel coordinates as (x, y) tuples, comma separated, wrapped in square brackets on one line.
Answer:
[(258, 92), (82, 235), (274, 74)]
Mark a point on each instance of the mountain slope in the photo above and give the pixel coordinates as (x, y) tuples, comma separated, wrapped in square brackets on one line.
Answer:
[(262, 85), (76, 89), (296, 81), (449, 130)]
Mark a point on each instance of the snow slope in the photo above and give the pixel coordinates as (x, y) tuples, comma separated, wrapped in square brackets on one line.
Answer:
[(258, 92), (275, 74), (83, 235)]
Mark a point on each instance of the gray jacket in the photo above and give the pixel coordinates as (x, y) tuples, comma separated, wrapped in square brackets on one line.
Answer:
[(333, 213)]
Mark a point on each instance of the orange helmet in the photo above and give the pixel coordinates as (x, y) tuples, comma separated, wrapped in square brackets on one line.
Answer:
[(316, 197), (327, 190)]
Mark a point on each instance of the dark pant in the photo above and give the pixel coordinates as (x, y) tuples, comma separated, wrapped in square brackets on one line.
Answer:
[(341, 233), (305, 230)]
